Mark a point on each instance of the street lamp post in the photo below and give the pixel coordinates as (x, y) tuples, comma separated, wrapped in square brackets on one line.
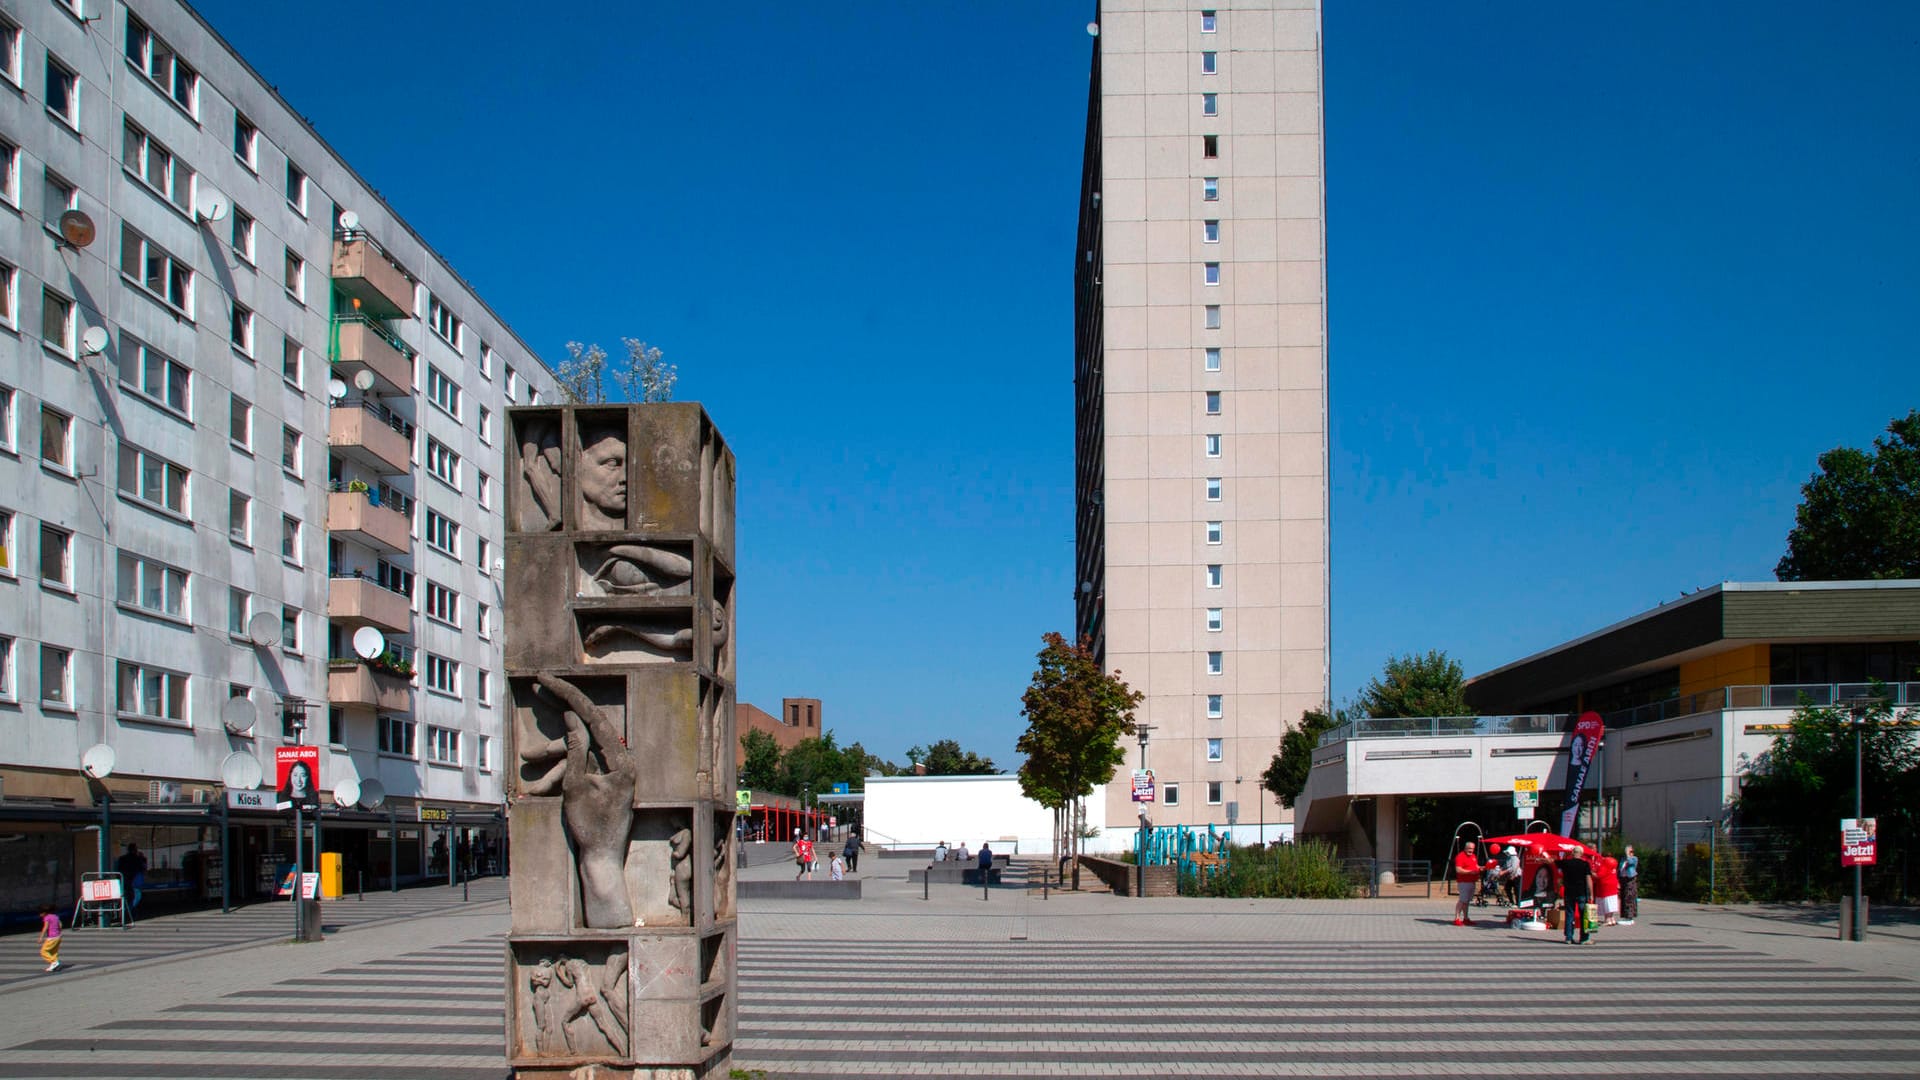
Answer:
[(295, 711), (1857, 712)]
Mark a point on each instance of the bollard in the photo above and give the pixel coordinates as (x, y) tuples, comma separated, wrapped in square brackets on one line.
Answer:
[(1044, 894), (986, 884), (925, 877), (360, 884)]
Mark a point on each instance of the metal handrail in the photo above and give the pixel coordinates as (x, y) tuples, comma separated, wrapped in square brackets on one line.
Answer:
[(380, 412), (357, 574), (359, 235), (1404, 727), (392, 500), (378, 327)]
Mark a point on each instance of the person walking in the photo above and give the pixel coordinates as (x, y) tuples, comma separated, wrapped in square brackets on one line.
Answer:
[(132, 868), (1466, 872), (1576, 878), (50, 937), (986, 863), (852, 852), (1629, 888), (837, 867), (1606, 878), (802, 855)]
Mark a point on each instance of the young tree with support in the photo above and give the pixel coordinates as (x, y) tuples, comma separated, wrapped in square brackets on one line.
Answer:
[(1076, 716)]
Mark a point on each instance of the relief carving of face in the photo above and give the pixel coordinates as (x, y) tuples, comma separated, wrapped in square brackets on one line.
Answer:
[(602, 478)]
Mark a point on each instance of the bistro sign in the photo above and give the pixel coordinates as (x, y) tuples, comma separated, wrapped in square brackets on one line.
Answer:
[(438, 815)]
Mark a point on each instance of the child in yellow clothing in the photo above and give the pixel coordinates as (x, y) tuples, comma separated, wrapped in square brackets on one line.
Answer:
[(50, 937)]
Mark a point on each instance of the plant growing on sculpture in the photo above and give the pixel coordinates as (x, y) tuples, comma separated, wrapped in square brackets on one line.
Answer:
[(641, 376), (1076, 715)]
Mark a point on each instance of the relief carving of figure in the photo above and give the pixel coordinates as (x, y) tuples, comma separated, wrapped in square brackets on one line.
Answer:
[(637, 570), (618, 639), (595, 774), (562, 991), (540, 470), (680, 896), (602, 477)]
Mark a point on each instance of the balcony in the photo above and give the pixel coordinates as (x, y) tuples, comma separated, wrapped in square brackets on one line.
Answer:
[(353, 683), (359, 343), (360, 601), (354, 514), (371, 435), (363, 272)]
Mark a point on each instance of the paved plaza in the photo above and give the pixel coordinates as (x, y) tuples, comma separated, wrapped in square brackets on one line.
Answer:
[(1017, 985)]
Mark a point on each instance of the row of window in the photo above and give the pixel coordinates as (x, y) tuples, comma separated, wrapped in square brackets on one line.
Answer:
[(1170, 793)]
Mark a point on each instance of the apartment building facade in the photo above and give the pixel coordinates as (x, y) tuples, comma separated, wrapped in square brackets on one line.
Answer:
[(250, 438), (1201, 394)]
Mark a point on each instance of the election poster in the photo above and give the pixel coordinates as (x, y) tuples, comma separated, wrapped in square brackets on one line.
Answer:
[(1858, 839)]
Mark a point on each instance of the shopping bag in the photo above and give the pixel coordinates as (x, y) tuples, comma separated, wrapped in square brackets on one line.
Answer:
[(1589, 917), (1553, 919)]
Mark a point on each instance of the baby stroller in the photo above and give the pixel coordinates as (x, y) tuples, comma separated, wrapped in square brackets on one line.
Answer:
[(1491, 886)]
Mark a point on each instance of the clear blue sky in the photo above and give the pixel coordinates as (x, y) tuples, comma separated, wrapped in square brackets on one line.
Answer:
[(1602, 286)]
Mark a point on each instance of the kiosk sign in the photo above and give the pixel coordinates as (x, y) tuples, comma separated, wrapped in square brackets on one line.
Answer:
[(1143, 785), (1857, 841)]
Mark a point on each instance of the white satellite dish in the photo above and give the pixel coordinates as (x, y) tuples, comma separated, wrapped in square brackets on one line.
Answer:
[(209, 204), (363, 379), (240, 771), (369, 643), (349, 220), (97, 762), (262, 629), (237, 715), (372, 794), (346, 792), (93, 341), (336, 388)]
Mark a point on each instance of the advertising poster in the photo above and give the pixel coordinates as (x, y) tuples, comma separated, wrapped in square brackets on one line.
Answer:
[(297, 777), (1858, 839), (1143, 785), (1587, 732)]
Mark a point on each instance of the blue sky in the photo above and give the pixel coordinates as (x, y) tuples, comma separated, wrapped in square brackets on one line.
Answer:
[(1602, 285)]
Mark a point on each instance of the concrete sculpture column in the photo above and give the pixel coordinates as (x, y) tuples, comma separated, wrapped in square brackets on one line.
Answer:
[(619, 652)]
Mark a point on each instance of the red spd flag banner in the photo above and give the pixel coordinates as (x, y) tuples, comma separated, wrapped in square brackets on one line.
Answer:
[(1587, 732)]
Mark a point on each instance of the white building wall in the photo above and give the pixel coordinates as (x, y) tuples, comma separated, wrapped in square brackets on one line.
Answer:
[(922, 811)]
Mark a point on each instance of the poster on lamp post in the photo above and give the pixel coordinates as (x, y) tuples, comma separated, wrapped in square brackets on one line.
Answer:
[(297, 777), (1858, 840), (1143, 785)]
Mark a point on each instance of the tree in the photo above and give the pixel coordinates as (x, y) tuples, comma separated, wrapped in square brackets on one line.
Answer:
[(760, 771), (1430, 685), (945, 758), (1286, 776), (641, 376), (1859, 516), (1076, 715), (816, 765)]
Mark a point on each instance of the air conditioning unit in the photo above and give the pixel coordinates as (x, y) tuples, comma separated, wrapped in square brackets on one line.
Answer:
[(203, 795), (164, 791)]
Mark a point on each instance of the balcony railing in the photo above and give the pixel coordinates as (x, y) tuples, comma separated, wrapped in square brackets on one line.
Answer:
[(352, 511), (370, 434), (361, 342), (1412, 727), (368, 276), (382, 495)]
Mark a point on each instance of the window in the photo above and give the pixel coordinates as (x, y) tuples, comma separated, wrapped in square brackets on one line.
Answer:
[(1210, 188), (1216, 706), (510, 382), (1210, 231), (246, 142), (240, 333), (1213, 749), (1209, 146), (63, 92), (394, 579), (1213, 575), (9, 295), (336, 725), (486, 360), (481, 549), (6, 669), (243, 235), (290, 629), (1216, 663), (150, 55), (443, 463), (1213, 316), (10, 52), (483, 687), (290, 538), (239, 610), (56, 676), (443, 322), (56, 556), (1209, 63), (240, 518), (155, 375), (443, 391), (1214, 531), (1213, 793), (56, 439), (396, 735), (152, 586), (443, 604), (483, 620), (9, 172), (1213, 403), (239, 421), (483, 751), (56, 321), (6, 419), (486, 425), (443, 746), (1170, 794), (296, 188), (7, 550), (295, 276), (1213, 489), (156, 167), (1216, 617), (1209, 104), (443, 675), (483, 489), (1210, 273), (1212, 443), (1213, 359), (152, 479), (289, 449), (292, 359), (59, 197), (1208, 22), (149, 265), (443, 534)]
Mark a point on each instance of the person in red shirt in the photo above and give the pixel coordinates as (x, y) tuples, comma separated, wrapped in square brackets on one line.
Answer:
[(1606, 880), (1466, 872), (802, 855)]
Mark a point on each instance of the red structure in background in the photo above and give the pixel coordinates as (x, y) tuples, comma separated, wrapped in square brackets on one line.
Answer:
[(775, 818)]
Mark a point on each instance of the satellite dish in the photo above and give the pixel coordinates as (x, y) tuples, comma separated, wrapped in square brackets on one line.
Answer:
[(369, 643), (93, 341), (1093, 29), (237, 715), (76, 228), (336, 388), (240, 771), (363, 379), (97, 762), (262, 629), (210, 204), (372, 794), (349, 220), (347, 792)]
